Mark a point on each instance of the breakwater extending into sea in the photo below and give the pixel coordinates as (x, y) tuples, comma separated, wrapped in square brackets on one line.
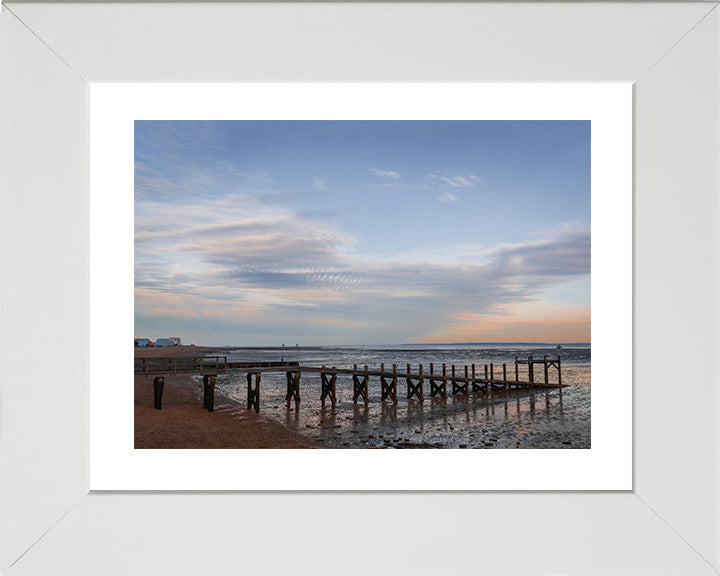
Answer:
[(557, 418)]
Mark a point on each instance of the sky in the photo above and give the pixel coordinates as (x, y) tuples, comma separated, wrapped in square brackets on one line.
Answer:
[(264, 233)]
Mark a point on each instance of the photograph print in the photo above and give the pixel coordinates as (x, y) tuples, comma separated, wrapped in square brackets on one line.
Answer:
[(362, 284)]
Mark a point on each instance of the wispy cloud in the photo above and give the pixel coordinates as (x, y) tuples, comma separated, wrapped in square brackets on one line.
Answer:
[(453, 181), (387, 174), (319, 184), (392, 180), (448, 197), (244, 256)]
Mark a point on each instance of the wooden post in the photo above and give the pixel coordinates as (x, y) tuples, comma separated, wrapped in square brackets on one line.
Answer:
[(158, 385), (407, 381), (394, 384), (293, 388), (206, 380), (419, 388), (475, 387), (466, 387), (209, 392), (531, 371), (356, 388), (253, 391), (211, 406), (559, 372), (545, 362), (516, 370), (505, 385), (323, 387), (366, 379)]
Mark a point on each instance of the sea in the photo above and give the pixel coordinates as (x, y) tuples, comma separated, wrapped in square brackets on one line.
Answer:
[(529, 419)]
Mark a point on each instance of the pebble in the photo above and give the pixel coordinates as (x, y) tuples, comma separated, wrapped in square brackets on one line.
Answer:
[(463, 445)]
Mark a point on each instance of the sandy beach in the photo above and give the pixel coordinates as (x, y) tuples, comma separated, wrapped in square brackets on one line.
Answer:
[(182, 422)]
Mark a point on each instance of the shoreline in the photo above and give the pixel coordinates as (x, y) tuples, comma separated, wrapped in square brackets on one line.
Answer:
[(524, 420), (184, 424)]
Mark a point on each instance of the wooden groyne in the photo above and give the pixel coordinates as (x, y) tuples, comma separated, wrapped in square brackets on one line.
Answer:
[(468, 381)]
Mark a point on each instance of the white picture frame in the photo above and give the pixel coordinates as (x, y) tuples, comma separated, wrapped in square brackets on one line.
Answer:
[(668, 523), (116, 465)]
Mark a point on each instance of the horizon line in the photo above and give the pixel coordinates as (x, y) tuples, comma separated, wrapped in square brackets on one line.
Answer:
[(297, 345)]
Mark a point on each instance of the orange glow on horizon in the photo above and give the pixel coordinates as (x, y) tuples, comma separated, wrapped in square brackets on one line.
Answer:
[(548, 323)]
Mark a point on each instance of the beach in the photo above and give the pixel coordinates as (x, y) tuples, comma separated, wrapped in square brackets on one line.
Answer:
[(528, 419), (183, 423)]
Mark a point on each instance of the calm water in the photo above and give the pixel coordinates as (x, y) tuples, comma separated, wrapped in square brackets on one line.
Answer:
[(529, 419)]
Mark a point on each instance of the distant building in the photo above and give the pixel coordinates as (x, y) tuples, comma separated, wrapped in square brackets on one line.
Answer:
[(143, 342), (165, 342), (176, 339)]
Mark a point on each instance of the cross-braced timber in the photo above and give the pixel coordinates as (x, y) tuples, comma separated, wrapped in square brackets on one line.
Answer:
[(466, 384), (460, 386), (415, 383), (438, 387), (293, 388), (328, 380), (388, 390), (360, 385), (480, 386)]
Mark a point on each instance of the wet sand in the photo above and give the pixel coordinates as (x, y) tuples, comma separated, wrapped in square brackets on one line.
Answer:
[(183, 423)]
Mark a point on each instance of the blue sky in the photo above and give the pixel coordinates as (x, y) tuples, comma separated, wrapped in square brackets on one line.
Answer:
[(262, 233)]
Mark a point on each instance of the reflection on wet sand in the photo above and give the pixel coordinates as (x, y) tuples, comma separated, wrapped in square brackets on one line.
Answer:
[(477, 419), (482, 418), (494, 419)]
